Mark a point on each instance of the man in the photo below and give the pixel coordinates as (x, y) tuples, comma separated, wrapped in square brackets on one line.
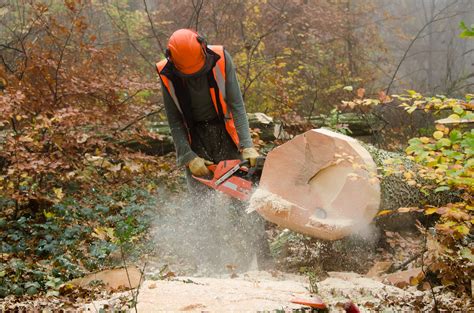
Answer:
[(203, 103), (209, 124)]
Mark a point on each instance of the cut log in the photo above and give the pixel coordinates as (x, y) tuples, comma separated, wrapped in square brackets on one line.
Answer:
[(320, 183), (326, 185), (264, 123), (151, 146)]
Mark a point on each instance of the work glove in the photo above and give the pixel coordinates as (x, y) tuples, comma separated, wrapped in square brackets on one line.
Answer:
[(198, 166), (251, 155)]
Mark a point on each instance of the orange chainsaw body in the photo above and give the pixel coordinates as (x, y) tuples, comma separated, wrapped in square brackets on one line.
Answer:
[(231, 178)]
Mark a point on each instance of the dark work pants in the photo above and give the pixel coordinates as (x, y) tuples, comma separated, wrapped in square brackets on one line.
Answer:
[(230, 236)]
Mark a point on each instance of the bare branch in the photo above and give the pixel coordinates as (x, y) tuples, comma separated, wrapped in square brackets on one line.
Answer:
[(153, 27), (434, 19)]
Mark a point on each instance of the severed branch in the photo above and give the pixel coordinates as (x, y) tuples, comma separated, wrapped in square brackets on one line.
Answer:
[(139, 119)]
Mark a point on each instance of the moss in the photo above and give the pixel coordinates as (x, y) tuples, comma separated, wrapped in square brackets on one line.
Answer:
[(395, 190)]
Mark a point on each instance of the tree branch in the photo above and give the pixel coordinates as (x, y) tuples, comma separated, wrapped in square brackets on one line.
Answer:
[(412, 42), (139, 119), (153, 27)]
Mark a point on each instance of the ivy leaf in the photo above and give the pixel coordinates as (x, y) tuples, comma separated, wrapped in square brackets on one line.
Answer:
[(458, 110), (443, 142), (438, 134), (466, 31), (455, 135), (454, 117), (466, 253), (49, 215)]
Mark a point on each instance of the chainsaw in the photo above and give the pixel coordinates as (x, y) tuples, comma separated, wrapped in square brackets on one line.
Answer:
[(235, 178)]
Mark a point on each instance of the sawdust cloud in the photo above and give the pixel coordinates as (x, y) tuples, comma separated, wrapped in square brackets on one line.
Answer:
[(209, 234)]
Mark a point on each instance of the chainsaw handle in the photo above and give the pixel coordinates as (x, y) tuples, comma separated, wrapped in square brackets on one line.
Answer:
[(257, 168), (212, 167)]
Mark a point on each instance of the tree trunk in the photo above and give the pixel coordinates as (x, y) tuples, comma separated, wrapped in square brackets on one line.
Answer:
[(328, 186)]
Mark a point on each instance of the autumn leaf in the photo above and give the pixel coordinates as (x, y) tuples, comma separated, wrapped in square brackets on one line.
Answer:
[(59, 193), (25, 139), (49, 215), (462, 229), (384, 212), (114, 168), (360, 92)]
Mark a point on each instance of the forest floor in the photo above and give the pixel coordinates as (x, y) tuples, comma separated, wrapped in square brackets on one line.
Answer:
[(171, 286), (377, 270)]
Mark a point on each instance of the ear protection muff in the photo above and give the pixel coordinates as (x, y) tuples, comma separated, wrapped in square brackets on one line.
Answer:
[(202, 41)]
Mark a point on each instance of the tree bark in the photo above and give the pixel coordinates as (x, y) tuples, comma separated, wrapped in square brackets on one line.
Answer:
[(395, 190)]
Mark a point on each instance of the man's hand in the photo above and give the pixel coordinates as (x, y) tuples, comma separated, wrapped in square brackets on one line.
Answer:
[(251, 155), (198, 166)]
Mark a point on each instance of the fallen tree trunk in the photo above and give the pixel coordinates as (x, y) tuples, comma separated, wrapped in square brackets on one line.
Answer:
[(269, 130), (358, 124), (327, 185)]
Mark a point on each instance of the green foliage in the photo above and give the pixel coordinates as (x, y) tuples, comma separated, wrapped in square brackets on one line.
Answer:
[(44, 249), (447, 155), (467, 32), (334, 122), (447, 163)]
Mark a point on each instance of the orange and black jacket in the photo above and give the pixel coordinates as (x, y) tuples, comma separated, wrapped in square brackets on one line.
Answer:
[(223, 95)]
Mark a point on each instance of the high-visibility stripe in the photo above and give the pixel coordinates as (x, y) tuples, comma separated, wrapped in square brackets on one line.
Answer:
[(220, 77), (220, 80), (173, 95), (168, 84)]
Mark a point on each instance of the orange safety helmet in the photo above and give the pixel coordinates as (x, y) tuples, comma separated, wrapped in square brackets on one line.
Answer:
[(186, 49)]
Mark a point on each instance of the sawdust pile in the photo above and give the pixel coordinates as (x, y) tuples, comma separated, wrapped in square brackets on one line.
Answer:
[(264, 291), (261, 198)]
